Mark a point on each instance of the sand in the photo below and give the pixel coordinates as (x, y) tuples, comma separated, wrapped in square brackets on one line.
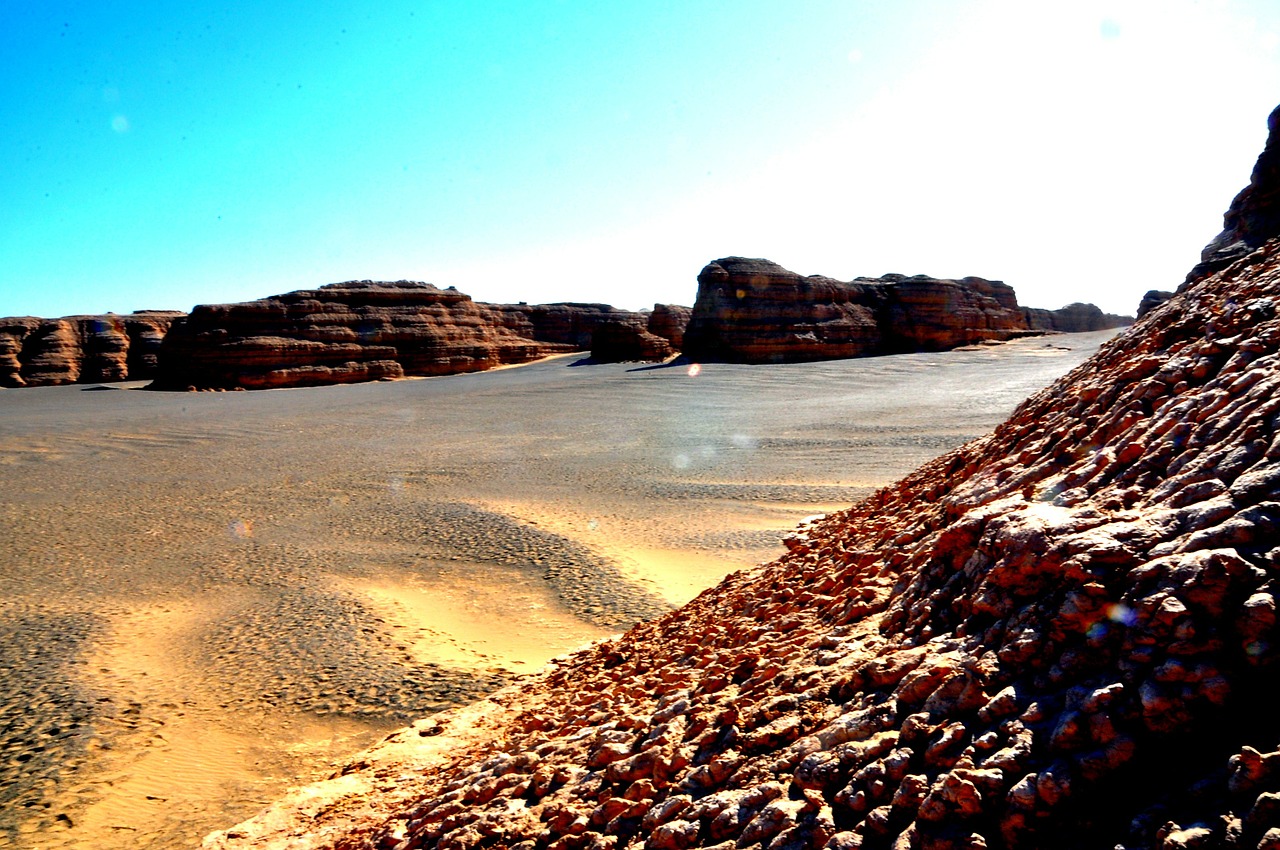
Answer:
[(206, 598)]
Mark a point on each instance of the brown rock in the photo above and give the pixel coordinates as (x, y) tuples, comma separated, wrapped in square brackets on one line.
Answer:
[(619, 342), (1151, 300), (755, 311), (366, 330), (669, 322), (1074, 318), (81, 349)]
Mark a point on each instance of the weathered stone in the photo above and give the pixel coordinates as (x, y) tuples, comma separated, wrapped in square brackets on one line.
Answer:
[(755, 311), (81, 349), (367, 330)]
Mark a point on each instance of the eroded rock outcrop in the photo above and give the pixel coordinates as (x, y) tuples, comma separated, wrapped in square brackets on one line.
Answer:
[(669, 322), (618, 342), (1063, 634), (1075, 318), (81, 349), (1152, 299), (755, 311), (366, 330)]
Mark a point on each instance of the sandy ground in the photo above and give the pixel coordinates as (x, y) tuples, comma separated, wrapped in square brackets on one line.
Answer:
[(206, 598)]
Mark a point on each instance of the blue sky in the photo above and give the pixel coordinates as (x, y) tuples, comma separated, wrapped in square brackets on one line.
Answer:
[(160, 155)]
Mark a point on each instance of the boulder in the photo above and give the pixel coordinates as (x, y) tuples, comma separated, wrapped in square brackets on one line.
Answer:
[(1152, 299)]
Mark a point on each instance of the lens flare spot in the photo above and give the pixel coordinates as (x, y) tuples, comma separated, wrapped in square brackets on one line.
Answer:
[(120, 124), (1122, 614), (695, 369), (241, 528), (741, 293), (593, 524), (680, 461)]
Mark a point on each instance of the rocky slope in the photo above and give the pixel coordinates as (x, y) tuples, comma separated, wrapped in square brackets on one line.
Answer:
[(366, 330), (755, 311), (81, 349), (1059, 635)]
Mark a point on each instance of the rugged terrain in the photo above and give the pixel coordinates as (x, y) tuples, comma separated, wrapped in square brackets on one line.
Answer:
[(755, 311), (81, 349), (1062, 634), (358, 331)]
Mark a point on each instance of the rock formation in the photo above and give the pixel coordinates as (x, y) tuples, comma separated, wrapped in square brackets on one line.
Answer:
[(619, 341), (366, 330), (81, 349), (669, 321), (755, 311), (1152, 299), (1074, 318), (1063, 634), (637, 339)]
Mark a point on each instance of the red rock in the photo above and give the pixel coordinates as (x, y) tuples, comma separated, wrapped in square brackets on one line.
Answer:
[(618, 342), (669, 322), (81, 349), (366, 330), (755, 311)]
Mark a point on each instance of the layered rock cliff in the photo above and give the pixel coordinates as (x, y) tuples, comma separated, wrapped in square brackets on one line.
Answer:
[(1061, 635), (1074, 318), (366, 330), (81, 349), (755, 311)]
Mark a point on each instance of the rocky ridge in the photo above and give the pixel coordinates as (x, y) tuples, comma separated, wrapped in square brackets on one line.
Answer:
[(1062, 634), (81, 349), (755, 311), (367, 330)]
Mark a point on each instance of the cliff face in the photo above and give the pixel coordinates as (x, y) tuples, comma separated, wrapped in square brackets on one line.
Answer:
[(1074, 318), (755, 311), (366, 330), (1063, 634), (81, 349)]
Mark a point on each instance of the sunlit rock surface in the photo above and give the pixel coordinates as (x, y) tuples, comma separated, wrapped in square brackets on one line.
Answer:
[(367, 330), (755, 311), (81, 349), (1062, 634)]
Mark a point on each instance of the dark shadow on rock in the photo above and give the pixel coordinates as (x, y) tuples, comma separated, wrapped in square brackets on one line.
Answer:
[(679, 360), (97, 388)]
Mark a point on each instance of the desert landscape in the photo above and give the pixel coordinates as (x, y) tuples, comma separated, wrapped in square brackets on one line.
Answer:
[(213, 596), (1059, 635)]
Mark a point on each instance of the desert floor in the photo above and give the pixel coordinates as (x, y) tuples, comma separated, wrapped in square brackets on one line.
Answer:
[(206, 598)]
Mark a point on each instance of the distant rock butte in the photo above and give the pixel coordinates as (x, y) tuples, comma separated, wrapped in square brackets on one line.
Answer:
[(1061, 635), (81, 349), (755, 311), (367, 330)]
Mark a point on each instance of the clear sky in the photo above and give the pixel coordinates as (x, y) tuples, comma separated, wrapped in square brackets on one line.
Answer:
[(161, 154)]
